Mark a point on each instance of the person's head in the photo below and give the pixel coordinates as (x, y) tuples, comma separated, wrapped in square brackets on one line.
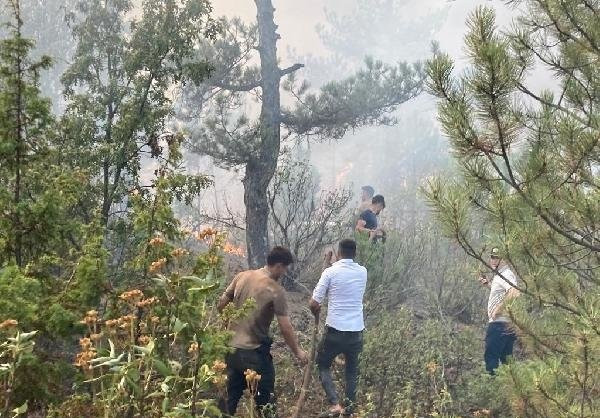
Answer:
[(367, 193), (347, 249), (278, 261), (495, 257), (378, 204)]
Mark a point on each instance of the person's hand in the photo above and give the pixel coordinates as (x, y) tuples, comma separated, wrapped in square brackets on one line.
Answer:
[(302, 356), (483, 280), (315, 308), (328, 258)]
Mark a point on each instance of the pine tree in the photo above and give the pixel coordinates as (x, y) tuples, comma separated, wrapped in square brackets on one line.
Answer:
[(530, 166), (35, 193), (224, 132)]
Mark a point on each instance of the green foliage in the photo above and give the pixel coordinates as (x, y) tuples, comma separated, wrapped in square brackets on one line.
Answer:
[(419, 267), (118, 86), (60, 321), (40, 382), (529, 164), (36, 193), (61, 182), (15, 348), (414, 368), (365, 98), (157, 355), (75, 407), (21, 297)]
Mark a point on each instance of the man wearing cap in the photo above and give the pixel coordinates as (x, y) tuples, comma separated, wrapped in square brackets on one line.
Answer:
[(500, 336)]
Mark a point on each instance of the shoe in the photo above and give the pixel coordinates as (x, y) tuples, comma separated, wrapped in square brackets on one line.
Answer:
[(347, 412)]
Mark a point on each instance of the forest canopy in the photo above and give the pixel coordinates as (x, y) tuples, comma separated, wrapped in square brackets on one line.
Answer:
[(152, 150)]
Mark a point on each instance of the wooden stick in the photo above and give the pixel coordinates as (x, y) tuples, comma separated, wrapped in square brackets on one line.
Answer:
[(327, 261), (307, 371)]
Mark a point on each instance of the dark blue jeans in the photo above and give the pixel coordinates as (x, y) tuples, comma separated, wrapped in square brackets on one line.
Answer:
[(238, 362), (499, 341), (349, 344)]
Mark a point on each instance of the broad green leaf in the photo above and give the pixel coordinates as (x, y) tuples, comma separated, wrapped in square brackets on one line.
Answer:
[(178, 326), (26, 336), (165, 405), (136, 388), (134, 374), (162, 368), (20, 410), (204, 288)]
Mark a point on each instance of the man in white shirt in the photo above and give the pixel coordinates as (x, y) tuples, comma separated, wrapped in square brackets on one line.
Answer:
[(344, 284), (500, 336)]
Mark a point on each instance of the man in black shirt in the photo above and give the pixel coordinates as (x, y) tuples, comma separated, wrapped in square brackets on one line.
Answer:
[(368, 219)]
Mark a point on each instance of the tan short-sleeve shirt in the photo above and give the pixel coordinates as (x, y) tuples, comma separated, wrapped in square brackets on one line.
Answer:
[(270, 300)]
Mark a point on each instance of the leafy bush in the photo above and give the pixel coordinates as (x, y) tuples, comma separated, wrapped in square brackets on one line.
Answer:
[(21, 296), (419, 267), (414, 368)]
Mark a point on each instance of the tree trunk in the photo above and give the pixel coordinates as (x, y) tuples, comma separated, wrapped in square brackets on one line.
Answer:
[(20, 120), (260, 170), (257, 214)]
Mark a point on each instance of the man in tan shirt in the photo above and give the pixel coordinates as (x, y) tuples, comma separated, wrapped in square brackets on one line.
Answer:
[(251, 340)]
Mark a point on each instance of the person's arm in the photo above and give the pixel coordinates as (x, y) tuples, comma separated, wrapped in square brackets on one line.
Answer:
[(315, 307), (361, 226), (280, 308), (227, 296), (319, 293), (290, 338)]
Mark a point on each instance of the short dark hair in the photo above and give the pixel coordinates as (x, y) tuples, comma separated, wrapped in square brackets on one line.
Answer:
[(280, 255), (370, 190), (378, 200), (347, 248)]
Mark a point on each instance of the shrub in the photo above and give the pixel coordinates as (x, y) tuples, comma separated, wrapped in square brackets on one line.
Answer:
[(20, 296), (413, 368)]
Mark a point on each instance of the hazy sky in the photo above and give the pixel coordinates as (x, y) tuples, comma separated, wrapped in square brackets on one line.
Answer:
[(297, 19)]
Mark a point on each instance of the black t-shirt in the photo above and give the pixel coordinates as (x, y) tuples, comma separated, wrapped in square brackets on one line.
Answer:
[(370, 219)]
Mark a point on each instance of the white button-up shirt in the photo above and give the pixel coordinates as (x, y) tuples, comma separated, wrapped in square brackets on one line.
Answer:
[(344, 284)]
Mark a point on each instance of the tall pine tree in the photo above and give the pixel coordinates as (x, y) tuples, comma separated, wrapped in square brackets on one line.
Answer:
[(531, 170), (35, 194)]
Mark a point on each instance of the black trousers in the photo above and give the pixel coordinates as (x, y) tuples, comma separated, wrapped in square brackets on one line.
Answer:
[(499, 341), (333, 343), (259, 360)]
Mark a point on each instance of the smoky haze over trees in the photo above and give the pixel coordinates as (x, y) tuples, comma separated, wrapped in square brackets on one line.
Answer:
[(234, 140), (151, 149)]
